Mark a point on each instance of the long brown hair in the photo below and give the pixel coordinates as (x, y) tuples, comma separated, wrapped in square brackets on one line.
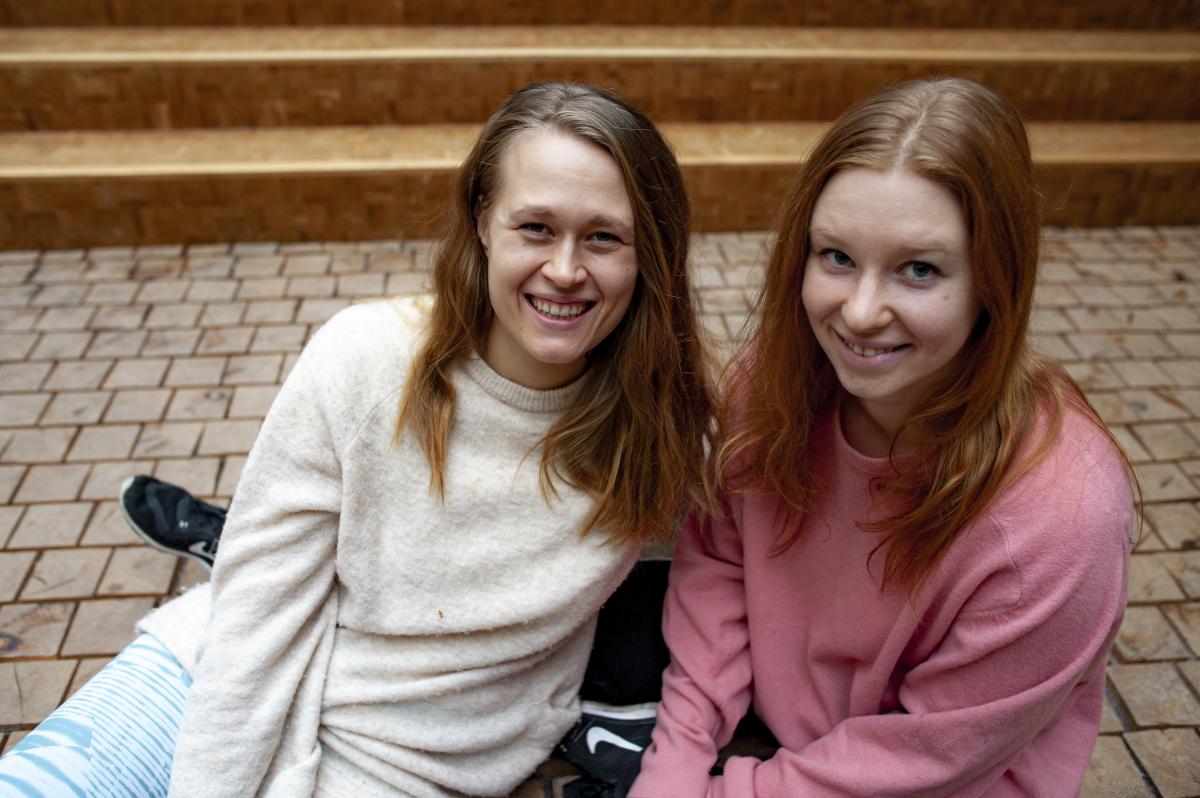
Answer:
[(636, 436), (971, 140)]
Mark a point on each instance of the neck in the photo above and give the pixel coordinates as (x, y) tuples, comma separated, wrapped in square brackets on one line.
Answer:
[(870, 430)]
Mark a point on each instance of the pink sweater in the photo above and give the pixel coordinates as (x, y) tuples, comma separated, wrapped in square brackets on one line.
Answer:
[(990, 683)]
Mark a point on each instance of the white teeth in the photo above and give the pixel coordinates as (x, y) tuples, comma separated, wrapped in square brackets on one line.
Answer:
[(556, 310), (863, 351)]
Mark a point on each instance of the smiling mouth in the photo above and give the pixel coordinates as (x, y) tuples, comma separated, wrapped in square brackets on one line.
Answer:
[(867, 351), (558, 310)]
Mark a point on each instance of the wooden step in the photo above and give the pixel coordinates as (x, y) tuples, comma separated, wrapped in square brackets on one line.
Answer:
[(103, 188), (1068, 14), (69, 79)]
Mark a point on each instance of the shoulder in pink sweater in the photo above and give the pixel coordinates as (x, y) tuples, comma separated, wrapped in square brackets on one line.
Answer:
[(988, 683)]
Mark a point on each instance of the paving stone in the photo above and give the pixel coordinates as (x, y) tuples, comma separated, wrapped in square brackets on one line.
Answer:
[(109, 442), (48, 483), (307, 264), (104, 626), (1145, 635), (199, 403), (311, 287), (190, 573), (77, 375), (1150, 581), (65, 573), (1168, 441), (1131, 406), (14, 567), (1165, 482), (173, 315), (1155, 695), (252, 369), (23, 376), (225, 340), (11, 740), (279, 338), (108, 527), (15, 346), (348, 263), (1185, 567), (211, 291), (22, 409), (9, 517), (231, 472), (33, 630), (104, 481), (65, 319), (137, 571), (138, 405), (59, 346), (1112, 772), (1186, 618), (1191, 673), (29, 691), (80, 407), (61, 294), (195, 371), (84, 671), (119, 317), (210, 266), (111, 293), (318, 311), (406, 283), (258, 266), (281, 311), (168, 440), (361, 285), (197, 474), (222, 314), (162, 291), (140, 373), (1110, 721), (228, 437), (50, 525), (45, 445), (1178, 523), (1171, 757), (252, 401), (120, 343), (268, 288), (171, 342)]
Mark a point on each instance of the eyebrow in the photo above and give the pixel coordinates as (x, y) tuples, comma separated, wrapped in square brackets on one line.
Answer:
[(933, 245)]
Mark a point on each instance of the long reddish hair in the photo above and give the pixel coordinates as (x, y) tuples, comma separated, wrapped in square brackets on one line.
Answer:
[(636, 437), (971, 140)]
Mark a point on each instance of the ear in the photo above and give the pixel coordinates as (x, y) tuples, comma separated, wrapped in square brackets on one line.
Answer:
[(481, 224)]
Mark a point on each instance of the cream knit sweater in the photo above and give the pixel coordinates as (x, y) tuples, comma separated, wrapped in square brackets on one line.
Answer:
[(366, 638)]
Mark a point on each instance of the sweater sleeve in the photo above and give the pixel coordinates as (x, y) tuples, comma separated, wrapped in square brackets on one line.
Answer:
[(1007, 669), (706, 688), (250, 726)]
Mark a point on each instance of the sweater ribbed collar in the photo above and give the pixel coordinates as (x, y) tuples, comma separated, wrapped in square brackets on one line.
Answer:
[(510, 393), (873, 466)]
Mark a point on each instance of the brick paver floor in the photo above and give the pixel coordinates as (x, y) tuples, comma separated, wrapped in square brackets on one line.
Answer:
[(164, 360)]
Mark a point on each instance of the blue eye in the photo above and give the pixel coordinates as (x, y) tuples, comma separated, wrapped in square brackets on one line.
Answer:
[(919, 270), (836, 257)]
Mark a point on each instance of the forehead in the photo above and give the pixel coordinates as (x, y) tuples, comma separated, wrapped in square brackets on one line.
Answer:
[(897, 205), (548, 166)]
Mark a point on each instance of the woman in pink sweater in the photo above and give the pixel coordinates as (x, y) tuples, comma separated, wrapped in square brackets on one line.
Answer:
[(919, 564)]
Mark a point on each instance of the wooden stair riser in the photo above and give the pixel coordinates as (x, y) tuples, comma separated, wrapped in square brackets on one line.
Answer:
[(1065, 14), (370, 93), (39, 214)]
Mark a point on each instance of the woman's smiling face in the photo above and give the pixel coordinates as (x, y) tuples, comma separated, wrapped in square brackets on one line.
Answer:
[(889, 290), (561, 264)]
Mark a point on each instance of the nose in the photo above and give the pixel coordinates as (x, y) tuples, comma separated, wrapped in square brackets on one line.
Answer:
[(866, 308), (564, 267)]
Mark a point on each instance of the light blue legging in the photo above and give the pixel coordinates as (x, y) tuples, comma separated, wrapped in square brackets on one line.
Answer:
[(114, 738)]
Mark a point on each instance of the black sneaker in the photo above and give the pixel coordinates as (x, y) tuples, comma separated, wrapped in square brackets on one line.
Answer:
[(607, 744), (171, 519)]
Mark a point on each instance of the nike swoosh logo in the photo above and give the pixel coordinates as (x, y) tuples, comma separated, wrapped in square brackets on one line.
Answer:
[(598, 734), (198, 547)]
